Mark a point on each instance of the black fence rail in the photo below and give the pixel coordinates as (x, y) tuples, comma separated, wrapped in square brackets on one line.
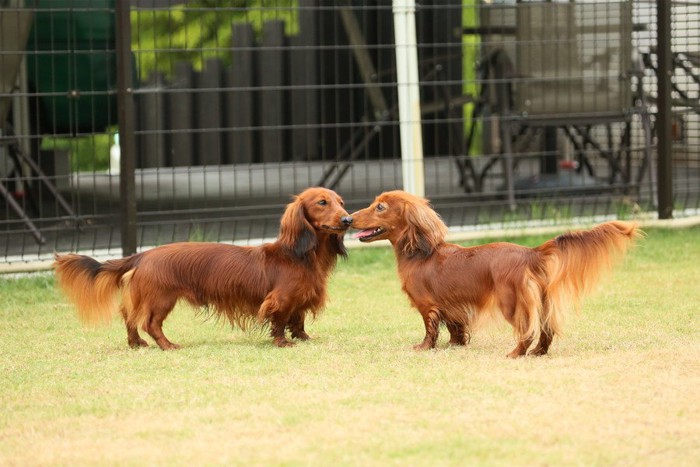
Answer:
[(531, 113)]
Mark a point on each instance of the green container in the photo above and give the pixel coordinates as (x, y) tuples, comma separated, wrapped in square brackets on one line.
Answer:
[(72, 66)]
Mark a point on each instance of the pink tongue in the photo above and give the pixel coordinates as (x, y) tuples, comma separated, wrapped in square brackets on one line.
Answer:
[(363, 234)]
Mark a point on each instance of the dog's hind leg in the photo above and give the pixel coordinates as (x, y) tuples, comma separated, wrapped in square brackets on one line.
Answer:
[(546, 331), (521, 348), (542, 346), (296, 326), (431, 319), (127, 310), (515, 310), (157, 314), (132, 332)]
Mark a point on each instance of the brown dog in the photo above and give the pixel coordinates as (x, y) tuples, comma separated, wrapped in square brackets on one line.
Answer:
[(531, 287), (275, 283)]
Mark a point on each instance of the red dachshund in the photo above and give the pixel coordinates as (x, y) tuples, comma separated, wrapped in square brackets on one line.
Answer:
[(531, 287), (275, 283)]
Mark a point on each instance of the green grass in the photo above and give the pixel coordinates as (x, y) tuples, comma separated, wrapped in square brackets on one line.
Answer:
[(620, 388)]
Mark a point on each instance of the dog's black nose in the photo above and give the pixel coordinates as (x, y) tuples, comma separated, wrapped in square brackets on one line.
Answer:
[(346, 220)]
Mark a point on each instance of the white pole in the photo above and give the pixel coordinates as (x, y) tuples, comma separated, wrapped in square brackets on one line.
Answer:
[(409, 96)]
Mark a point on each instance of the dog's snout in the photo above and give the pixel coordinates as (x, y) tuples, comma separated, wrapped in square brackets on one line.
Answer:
[(346, 220)]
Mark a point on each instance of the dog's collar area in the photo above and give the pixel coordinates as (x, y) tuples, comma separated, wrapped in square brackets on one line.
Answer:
[(367, 234)]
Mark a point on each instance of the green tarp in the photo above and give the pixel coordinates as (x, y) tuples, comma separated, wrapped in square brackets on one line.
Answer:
[(71, 64)]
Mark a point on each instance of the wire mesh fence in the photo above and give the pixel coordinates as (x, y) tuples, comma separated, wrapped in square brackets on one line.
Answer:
[(530, 112)]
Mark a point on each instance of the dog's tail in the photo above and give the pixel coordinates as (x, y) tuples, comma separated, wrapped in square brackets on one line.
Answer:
[(574, 263), (92, 286)]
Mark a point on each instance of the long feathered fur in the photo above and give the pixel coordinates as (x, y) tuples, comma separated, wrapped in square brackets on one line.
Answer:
[(533, 288), (575, 263), (92, 286), (276, 283)]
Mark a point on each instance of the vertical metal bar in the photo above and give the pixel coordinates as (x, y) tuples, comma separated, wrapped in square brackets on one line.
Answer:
[(125, 108), (407, 83), (663, 121)]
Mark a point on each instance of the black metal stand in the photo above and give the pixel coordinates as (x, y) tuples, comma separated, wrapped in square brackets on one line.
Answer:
[(18, 159)]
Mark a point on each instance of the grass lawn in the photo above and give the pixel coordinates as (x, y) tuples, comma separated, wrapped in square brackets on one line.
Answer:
[(622, 387)]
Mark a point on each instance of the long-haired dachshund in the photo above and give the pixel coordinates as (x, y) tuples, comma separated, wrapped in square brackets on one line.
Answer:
[(276, 283), (531, 287)]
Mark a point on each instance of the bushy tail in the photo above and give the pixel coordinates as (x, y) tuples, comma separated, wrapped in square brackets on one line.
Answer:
[(576, 261), (91, 286)]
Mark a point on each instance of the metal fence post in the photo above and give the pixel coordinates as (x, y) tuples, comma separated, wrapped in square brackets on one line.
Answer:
[(663, 119), (125, 105), (409, 96)]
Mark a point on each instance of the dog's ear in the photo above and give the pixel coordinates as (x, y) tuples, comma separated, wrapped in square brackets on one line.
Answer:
[(424, 232), (296, 233)]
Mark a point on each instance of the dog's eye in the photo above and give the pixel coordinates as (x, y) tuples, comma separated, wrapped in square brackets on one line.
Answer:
[(323, 202), (380, 207)]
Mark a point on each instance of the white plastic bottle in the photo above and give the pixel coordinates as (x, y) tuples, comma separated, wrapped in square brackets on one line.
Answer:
[(114, 156)]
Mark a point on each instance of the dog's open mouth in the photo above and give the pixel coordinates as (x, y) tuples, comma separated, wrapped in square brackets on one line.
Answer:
[(368, 234)]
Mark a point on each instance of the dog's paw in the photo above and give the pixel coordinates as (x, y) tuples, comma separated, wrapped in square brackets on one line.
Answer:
[(284, 343), (422, 346), (537, 352), (302, 336), (138, 343), (169, 346)]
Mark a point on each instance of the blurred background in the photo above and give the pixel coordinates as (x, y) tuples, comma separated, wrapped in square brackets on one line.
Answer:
[(531, 113)]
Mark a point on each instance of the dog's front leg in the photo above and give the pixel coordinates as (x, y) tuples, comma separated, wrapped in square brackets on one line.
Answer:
[(431, 319), (277, 327), (274, 311), (296, 326)]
